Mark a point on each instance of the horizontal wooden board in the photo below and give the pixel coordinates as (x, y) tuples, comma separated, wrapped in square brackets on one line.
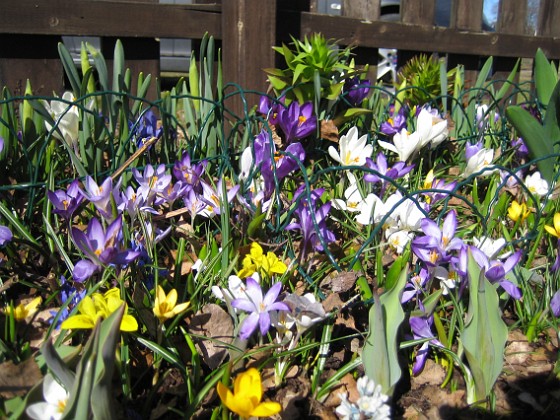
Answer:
[(110, 18), (351, 31)]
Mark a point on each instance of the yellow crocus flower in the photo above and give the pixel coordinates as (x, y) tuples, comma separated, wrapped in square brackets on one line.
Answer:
[(165, 306), (245, 400), (256, 261), (554, 230), (518, 211), (22, 311), (91, 308)]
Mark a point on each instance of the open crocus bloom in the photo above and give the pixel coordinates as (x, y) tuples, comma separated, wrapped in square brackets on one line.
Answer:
[(353, 149), (404, 144), (54, 405)]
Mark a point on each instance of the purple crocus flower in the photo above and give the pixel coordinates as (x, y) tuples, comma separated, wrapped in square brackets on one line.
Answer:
[(297, 121), (133, 203), (441, 185), (421, 327), (100, 195), (382, 171), (5, 235), (66, 202), (434, 248), (270, 109), (282, 164), (394, 124), (472, 149), (214, 198), (311, 221), (185, 171), (495, 270), (101, 248), (152, 181), (146, 128), (415, 285), (520, 147), (258, 307), (555, 304), (356, 90)]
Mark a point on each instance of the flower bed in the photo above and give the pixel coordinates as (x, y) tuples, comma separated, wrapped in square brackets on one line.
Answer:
[(332, 251)]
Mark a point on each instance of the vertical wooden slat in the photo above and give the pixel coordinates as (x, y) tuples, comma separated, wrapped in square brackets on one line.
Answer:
[(248, 35), (549, 16), (512, 17), (467, 14), (418, 12), (362, 9)]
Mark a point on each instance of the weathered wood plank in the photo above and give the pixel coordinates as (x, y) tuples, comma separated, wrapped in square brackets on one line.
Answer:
[(512, 17), (466, 14), (362, 9), (418, 12), (427, 38), (549, 16), (249, 33), (109, 18)]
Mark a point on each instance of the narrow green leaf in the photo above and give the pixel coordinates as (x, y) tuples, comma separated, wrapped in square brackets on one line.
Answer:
[(69, 68), (545, 77)]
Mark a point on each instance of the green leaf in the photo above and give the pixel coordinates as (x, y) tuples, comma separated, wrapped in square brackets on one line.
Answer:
[(69, 68), (380, 353), (485, 334), (545, 77)]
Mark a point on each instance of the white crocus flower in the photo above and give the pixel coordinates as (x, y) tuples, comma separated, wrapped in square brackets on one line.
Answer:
[(353, 196), (353, 150), (431, 128), (491, 247), (536, 185), (246, 163), (235, 289), (404, 144), (366, 215), (55, 397), (480, 160), (66, 118), (304, 311)]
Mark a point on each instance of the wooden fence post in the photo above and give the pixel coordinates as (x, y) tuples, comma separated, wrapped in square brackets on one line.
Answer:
[(248, 35)]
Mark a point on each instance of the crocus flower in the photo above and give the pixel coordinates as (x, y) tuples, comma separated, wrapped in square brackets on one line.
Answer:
[(165, 306), (478, 162), (66, 202), (421, 327), (311, 221), (472, 149), (381, 172), (431, 128), (270, 109), (356, 90), (297, 121), (146, 128), (495, 270), (133, 203), (518, 211), (415, 285), (56, 398), (440, 185), (555, 304), (152, 181), (353, 149), (66, 117), (101, 248), (490, 247), (214, 198), (405, 145), (395, 124), (235, 288), (245, 400), (555, 229), (536, 184), (435, 247), (256, 261), (258, 307), (188, 172), (100, 195), (352, 197), (5, 235), (520, 147), (99, 306), (304, 310), (24, 311)]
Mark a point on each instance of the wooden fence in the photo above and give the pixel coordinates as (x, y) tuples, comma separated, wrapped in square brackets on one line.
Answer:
[(31, 29)]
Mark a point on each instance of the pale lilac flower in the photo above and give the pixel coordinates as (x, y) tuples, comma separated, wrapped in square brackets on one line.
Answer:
[(258, 307), (100, 195), (66, 202), (421, 327), (133, 203), (415, 285), (5, 235), (479, 162), (188, 172), (214, 198), (353, 149), (152, 181), (495, 270), (555, 304), (101, 248)]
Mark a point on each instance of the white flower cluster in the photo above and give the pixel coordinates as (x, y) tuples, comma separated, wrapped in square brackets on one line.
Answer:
[(371, 404)]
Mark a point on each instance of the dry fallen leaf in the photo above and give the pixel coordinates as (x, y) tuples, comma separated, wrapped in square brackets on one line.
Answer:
[(215, 324)]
